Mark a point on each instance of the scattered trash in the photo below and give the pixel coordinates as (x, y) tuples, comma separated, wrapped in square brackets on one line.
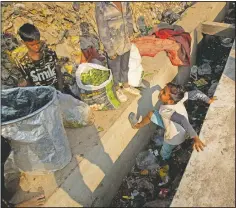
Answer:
[(146, 160), (163, 173), (194, 71), (156, 153), (201, 82), (143, 183), (144, 172), (204, 69), (100, 129), (135, 193), (127, 197), (227, 42), (212, 89), (163, 192), (218, 69)]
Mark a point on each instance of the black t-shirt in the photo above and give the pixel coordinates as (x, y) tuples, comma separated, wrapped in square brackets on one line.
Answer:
[(42, 72)]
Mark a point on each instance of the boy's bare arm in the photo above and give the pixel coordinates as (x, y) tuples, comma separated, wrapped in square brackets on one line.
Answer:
[(146, 120)]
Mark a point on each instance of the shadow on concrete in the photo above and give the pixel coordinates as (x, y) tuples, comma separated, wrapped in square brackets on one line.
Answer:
[(145, 103)]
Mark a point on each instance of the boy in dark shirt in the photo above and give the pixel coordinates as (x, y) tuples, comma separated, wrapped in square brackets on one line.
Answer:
[(39, 66)]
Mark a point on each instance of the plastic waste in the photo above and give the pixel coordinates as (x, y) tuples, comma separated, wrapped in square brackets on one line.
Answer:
[(132, 119), (75, 113), (204, 69), (146, 160), (194, 71), (212, 89), (201, 82), (163, 173), (227, 42), (135, 67), (135, 193), (31, 119), (143, 183), (144, 172), (163, 192)]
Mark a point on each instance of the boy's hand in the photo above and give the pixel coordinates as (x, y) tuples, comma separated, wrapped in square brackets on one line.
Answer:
[(113, 57), (198, 144), (212, 99), (136, 126)]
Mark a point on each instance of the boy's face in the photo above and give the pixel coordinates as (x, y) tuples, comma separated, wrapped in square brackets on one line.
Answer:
[(165, 96), (33, 46)]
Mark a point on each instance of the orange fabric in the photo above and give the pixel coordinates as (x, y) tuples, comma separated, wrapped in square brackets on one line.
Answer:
[(150, 46)]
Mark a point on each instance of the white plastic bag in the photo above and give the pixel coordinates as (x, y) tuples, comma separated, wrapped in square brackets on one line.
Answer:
[(75, 113), (135, 67)]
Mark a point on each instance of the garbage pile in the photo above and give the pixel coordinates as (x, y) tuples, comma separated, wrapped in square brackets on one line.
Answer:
[(63, 23), (148, 184)]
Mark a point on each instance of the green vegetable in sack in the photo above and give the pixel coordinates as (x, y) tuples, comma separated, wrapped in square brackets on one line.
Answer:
[(95, 77)]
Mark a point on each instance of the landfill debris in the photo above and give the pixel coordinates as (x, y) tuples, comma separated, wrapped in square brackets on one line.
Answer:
[(127, 197), (163, 192), (204, 69), (227, 42), (201, 82)]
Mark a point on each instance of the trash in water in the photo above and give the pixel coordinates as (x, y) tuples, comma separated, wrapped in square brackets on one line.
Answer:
[(163, 192), (218, 69), (201, 82), (204, 69), (212, 89), (194, 71), (227, 42)]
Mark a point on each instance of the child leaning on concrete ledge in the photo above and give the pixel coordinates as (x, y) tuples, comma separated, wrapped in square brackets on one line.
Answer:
[(173, 116)]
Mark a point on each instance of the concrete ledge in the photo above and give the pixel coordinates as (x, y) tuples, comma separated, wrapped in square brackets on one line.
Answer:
[(209, 178), (218, 29), (101, 162)]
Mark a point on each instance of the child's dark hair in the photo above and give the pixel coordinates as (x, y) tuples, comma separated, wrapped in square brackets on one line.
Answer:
[(29, 32), (177, 91)]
